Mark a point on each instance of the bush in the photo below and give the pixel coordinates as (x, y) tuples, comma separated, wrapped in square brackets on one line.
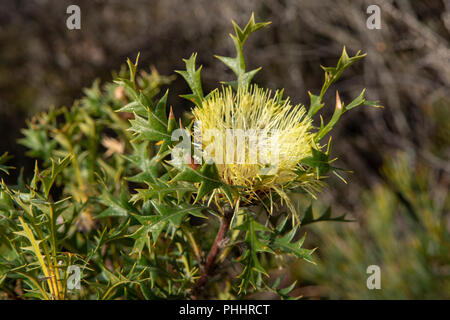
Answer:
[(107, 198)]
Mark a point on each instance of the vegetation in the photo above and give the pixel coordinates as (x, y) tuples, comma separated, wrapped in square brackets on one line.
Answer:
[(107, 196), (404, 231)]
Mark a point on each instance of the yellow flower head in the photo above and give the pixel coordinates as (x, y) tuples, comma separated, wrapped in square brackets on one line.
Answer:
[(282, 131)]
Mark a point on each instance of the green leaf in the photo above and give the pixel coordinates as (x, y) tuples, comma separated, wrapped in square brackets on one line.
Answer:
[(27, 233), (48, 176), (284, 244), (237, 64), (361, 100), (283, 292), (315, 105), (207, 175), (318, 161), (154, 128), (256, 243), (3, 159), (192, 77), (38, 143), (165, 216), (160, 191), (332, 74), (339, 110), (142, 160), (142, 102), (308, 217), (6, 203), (134, 107), (117, 207), (132, 67), (33, 283)]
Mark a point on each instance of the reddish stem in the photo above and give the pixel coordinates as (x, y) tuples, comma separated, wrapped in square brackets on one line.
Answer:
[(210, 260)]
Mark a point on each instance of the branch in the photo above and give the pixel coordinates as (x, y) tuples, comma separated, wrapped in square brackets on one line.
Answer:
[(210, 260)]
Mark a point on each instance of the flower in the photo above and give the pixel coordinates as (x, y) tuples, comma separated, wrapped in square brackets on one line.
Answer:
[(283, 133)]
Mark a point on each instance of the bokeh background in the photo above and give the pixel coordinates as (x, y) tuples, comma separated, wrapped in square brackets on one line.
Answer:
[(399, 155)]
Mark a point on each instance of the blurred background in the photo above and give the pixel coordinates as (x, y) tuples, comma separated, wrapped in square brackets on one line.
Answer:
[(398, 192)]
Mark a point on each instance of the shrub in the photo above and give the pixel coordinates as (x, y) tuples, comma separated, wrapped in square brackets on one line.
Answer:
[(114, 194)]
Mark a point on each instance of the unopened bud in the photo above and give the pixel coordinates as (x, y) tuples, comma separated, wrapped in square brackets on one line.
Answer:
[(338, 101)]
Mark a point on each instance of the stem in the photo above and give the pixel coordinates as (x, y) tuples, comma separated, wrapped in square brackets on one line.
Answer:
[(210, 260), (83, 197), (193, 243), (54, 268), (233, 237)]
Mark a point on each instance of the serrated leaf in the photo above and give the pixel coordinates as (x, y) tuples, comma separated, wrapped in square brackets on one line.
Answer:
[(160, 191), (308, 217), (256, 244), (237, 64), (315, 104), (207, 175), (154, 128), (3, 159), (318, 161), (48, 176), (166, 215), (116, 207), (134, 107), (284, 245), (192, 77)]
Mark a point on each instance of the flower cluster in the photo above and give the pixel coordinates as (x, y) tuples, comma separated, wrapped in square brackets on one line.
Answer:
[(248, 131)]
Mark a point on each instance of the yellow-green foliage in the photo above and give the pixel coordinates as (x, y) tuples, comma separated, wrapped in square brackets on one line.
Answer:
[(403, 229), (107, 197)]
